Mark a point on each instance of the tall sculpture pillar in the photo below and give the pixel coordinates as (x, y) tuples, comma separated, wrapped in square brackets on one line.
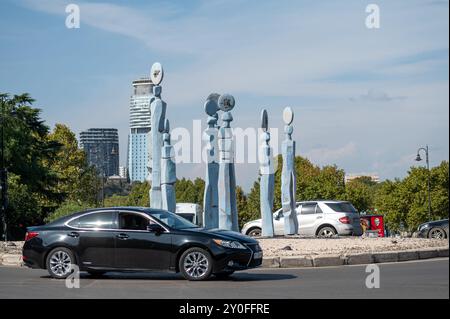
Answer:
[(158, 113), (211, 194), (288, 183), (168, 170), (228, 218), (267, 181)]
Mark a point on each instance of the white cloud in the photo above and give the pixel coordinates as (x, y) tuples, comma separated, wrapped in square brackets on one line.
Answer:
[(327, 155)]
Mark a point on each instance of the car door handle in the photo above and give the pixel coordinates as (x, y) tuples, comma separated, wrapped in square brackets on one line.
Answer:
[(122, 236), (318, 217), (73, 234)]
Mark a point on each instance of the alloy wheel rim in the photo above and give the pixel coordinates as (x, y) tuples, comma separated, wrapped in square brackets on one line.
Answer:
[(196, 264), (326, 233), (436, 234), (255, 233), (60, 263)]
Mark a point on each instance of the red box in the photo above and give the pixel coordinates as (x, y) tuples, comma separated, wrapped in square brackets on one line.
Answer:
[(373, 222)]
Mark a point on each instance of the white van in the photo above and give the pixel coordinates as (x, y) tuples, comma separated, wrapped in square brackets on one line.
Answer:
[(190, 211)]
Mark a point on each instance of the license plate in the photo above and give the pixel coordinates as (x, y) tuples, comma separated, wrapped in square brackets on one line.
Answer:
[(258, 255)]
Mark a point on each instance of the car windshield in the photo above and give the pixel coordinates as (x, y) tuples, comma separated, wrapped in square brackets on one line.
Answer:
[(172, 220), (342, 207)]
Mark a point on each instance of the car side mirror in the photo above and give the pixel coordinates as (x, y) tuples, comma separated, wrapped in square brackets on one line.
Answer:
[(155, 228)]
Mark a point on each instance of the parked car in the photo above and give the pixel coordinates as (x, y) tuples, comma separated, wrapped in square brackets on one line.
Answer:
[(137, 239), (322, 218), (192, 212), (436, 229)]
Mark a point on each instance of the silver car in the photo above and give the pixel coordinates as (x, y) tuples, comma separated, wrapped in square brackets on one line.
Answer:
[(322, 218)]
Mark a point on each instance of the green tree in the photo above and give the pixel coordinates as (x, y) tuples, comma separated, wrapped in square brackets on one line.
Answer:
[(139, 195), (26, 150), (405, 202), (66, 208), (76, 181), (360, 192), (116, 200)]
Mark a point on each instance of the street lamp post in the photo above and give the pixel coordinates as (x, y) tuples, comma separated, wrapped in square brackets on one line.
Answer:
[(427, 159)]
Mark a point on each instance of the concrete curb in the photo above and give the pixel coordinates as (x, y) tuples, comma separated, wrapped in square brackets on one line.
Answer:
[(354, 259), (313, 261)]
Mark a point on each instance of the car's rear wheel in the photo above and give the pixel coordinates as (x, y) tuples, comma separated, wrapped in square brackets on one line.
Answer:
[(60, 263), (254, 232), (437, 233), (224, 274), (326, 232), (196, 264)]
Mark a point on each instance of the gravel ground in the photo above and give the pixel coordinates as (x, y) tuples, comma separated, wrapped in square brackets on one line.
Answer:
[(293, 246)]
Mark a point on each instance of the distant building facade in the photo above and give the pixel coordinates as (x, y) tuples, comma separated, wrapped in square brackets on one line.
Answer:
[(102, 149), (123, 172), (374, 177), (140, 125)]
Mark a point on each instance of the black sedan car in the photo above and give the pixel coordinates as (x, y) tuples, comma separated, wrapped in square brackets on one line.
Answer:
[(137, 239), (436, 229)]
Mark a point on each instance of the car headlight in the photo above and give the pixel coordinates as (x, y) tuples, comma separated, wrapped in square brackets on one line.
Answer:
[(229, 244)]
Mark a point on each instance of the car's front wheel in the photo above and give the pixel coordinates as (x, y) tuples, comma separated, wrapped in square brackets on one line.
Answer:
[(437, 233), (59, 263), (196, 264)]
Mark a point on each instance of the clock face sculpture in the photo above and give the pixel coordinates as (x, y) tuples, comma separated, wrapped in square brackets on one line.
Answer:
[(226, 102)]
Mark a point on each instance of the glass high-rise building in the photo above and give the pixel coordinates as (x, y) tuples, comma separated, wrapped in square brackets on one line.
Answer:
[(102, 149), (140, 125)]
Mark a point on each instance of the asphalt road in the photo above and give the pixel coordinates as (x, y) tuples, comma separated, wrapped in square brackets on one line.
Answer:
[(418, 279)]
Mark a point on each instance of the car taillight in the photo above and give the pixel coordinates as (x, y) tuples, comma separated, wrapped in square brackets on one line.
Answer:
[(30, 235), (344, 220)]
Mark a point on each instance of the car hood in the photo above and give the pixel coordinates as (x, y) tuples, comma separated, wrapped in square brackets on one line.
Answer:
[(441, 222), (224, 234)]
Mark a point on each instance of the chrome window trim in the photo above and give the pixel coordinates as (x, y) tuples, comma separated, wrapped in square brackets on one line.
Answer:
[(142, 214), (89, 213), (114, 229)]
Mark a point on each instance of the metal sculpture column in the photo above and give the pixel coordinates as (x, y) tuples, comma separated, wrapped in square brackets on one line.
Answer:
[(288, 183), (158, 113), (168, 169), (211, 194), (228, 218), (267, 181)]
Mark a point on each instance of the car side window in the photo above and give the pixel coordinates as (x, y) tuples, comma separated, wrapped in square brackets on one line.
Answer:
[(130, 221), (104, 220), (308, 208)]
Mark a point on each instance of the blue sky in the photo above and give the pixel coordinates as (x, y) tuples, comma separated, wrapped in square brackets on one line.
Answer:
[(364, 99)]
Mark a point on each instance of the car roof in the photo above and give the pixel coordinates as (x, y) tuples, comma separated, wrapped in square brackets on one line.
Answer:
[(323, 201), (63, 219)]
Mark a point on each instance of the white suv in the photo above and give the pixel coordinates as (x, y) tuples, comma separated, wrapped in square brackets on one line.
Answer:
[(322, 218)]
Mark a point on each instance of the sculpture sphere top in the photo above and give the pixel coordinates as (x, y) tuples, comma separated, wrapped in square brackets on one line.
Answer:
[(211, 107), (156, 73), (226, 102), (288, 116), (264, 120), (214, 97)]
